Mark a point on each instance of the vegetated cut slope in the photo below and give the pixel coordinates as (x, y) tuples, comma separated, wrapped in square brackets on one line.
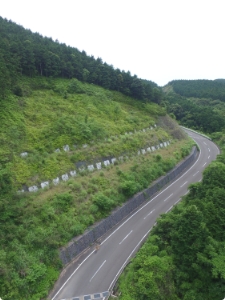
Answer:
[(48, 115), (67, 112)]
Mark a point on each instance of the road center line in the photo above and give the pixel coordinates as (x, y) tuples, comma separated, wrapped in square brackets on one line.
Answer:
[(204, 164), (208, 156), (196, 173), (125, 237), (183, 184), (209, 149), (149, 214), (168, 197), (97, 270)]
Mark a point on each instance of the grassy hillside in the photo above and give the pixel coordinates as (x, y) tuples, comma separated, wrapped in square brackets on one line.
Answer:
[(46, 115), (50, 114)]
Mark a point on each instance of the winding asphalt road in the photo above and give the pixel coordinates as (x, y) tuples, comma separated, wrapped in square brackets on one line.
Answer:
[(98, 271)]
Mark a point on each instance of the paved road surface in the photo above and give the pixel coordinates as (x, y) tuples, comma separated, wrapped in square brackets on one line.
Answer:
[(98, 271)]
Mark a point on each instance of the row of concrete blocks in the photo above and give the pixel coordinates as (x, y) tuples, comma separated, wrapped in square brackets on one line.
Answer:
[(66, 148), (98, 166)]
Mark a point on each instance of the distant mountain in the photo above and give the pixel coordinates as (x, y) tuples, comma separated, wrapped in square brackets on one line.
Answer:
[(213, 89)]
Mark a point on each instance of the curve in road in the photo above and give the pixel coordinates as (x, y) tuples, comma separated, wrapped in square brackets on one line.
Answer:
[(99, 270)]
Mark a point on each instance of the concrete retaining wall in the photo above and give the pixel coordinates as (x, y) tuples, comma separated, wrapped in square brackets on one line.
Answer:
[(88, 238)]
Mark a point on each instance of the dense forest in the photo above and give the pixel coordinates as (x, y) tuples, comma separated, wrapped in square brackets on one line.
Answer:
[(201, 114), (25, 53), (214, 89), (198, 104)]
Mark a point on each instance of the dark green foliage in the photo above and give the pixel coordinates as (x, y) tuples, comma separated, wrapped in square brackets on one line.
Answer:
[(207, 117), (31, 54), (214, 89), (103, 203)]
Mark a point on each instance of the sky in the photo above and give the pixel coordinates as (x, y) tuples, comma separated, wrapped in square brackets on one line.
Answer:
[(158, 40)]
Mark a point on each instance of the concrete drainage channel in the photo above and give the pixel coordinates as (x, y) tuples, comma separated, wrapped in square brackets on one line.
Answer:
[(97, 296)]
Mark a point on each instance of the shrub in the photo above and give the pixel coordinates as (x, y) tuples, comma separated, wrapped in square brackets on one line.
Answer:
[(103, 202)]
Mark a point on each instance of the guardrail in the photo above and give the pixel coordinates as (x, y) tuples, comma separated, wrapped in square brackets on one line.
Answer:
[(197, 132)]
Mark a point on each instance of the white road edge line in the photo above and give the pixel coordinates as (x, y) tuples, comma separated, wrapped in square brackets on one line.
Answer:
[(177, 201), (98, 270), (149, 214), (125, 237), (168, 197), (169, 209), (124, 264), (73, 274)]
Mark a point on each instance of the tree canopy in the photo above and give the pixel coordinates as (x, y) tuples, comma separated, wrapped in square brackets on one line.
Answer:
[(25, 53)]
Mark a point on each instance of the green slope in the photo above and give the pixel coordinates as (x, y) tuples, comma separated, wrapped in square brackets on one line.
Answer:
[(46, 116)]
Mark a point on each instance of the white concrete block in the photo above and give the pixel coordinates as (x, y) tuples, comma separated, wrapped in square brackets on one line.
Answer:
[(55, 181), (57, 150), (23, 154), (65, 177), (148, 149), (33, 188), (99, 165), (44, 184), (85, 146), (143, 151), (106, 162), (73, 173), (66, 148), (113, 160), (90, 167)]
